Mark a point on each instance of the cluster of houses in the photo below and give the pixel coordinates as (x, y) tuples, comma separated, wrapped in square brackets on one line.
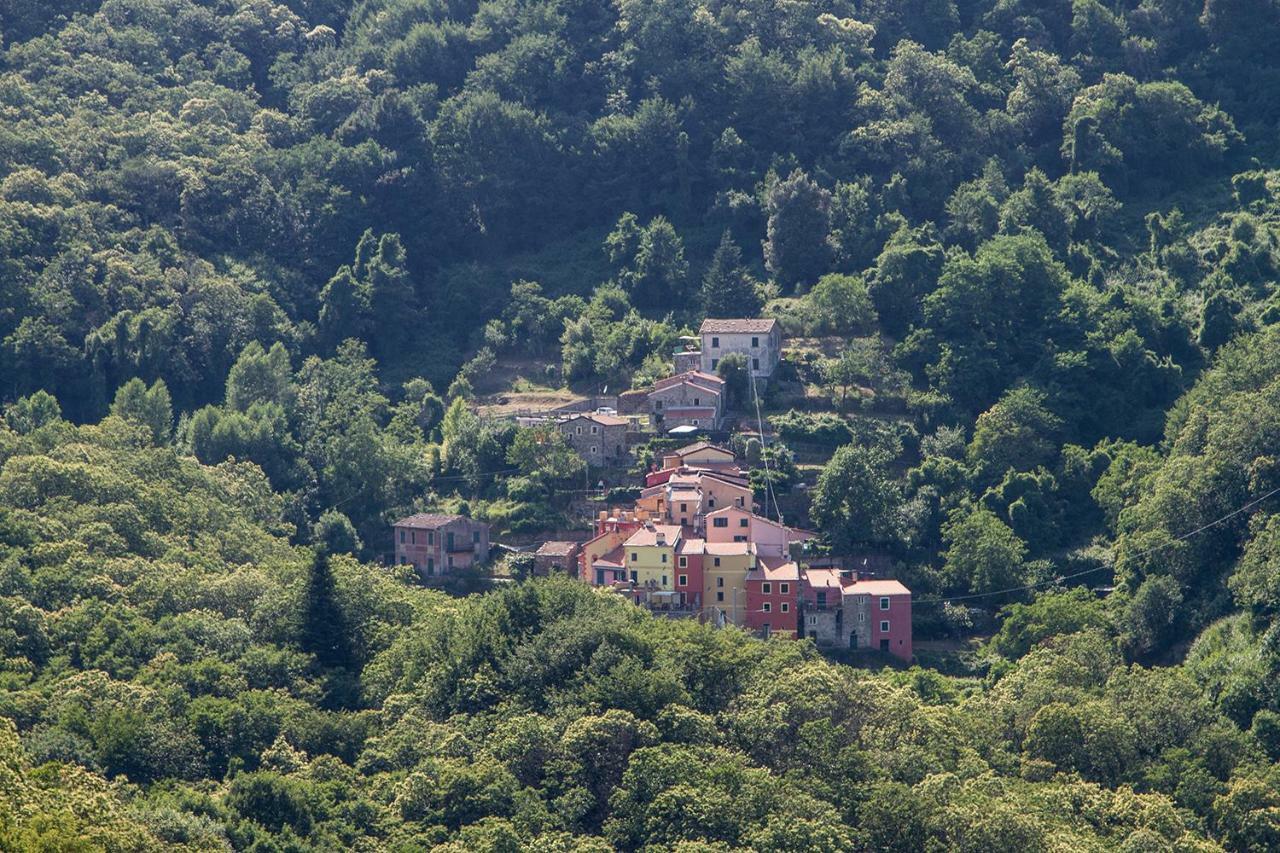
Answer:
[(691, 399), (693, 544)]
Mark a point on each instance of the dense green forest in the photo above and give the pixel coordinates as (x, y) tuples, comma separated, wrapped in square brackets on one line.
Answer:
[(256, 260)]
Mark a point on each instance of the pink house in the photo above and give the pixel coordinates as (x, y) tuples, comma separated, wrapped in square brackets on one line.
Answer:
[(888, 605), (738, 524)]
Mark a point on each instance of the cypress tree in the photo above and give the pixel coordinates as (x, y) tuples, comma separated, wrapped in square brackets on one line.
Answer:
[(726, 289), (324, 630)]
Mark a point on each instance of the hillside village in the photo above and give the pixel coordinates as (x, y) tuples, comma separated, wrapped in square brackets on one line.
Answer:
[(695, 542)]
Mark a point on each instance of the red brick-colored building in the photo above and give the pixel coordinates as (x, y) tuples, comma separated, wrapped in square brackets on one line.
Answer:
[(773, 598)]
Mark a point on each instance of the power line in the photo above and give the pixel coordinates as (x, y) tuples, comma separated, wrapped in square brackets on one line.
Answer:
[(1140, 554), (764, 457)]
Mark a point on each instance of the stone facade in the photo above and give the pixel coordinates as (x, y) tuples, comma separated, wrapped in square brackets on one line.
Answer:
[(599, 439), (759, 340)]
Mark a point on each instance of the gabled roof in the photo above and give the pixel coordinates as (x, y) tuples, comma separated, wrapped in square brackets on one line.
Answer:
[(670, 534), (696, 446), (754, 517), (709, 381), (556, 548), (613, 560), (730, 327), (776, 572), (603, 420), (428, 520)]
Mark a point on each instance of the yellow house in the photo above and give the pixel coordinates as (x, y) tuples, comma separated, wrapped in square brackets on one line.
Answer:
[(724, 572), (650, 555)]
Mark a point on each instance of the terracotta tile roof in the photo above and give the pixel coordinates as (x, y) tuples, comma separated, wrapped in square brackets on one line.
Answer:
[(730, 549), (825, 578), (878, 588), (776, 572), (692, 546), (709, 381), (613, 560), (427, 520), (696, 446), (671, 534), (730, 327)]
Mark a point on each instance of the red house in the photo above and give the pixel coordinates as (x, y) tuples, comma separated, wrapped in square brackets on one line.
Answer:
[(689, 557), (773, 598)]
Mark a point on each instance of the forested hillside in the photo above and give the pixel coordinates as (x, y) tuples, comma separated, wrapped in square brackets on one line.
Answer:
[(259, 263)]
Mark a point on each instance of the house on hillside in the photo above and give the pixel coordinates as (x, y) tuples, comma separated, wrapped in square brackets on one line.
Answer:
[(687, 399), (556, 556), (841, 610), (760, 341), (599, 439), (773, 599), (437, 544)]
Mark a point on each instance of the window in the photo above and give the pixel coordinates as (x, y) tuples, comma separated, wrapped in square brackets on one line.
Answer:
[(862, 617), (719, 596), (431, 565), (449, 541), (475, 536), (450, 561), (403, 560), (431, 539), (755, 364), (740, 502), (593, 448), (715, 343), (766, 587), (742, 522), (684, 507), (717, 562), (714, 362), (784, 588), (739, 539), (711, 503), (657, 404), (664, 558), (664, 580), (697, 402), (413, 537), (695, 422), (684, 562), (634, 556), (767, 607), (884, 602), (401, 537), (884, 626), (720, 522), (682, 580), (635, 577), (720, 582), (813, 620), (822, 599), (594, 429), (786, 607), (578, 430), (755, 343)]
